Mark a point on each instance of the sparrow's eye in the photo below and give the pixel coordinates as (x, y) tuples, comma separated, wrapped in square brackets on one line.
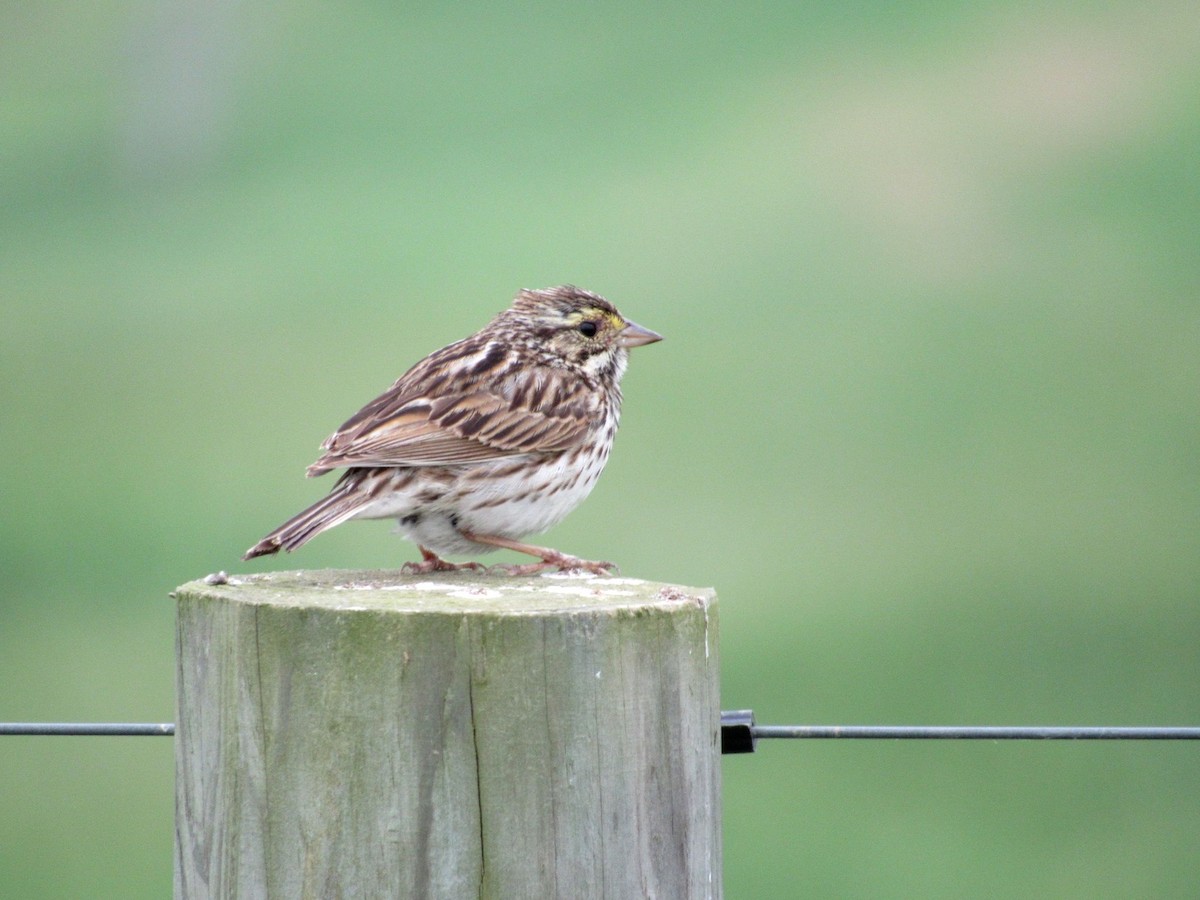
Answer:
[(587, 329)]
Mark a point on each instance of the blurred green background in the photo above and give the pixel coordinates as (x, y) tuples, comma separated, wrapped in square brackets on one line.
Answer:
[(926, 414)]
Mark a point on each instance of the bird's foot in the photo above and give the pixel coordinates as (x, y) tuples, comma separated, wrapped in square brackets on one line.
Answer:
[(550, 559), (562, 563), (431, 562)]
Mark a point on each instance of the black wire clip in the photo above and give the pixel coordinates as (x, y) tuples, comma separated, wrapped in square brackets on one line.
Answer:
[(737, 731)]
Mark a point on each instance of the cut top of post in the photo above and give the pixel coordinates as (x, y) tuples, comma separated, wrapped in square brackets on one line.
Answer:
[(446, 592)]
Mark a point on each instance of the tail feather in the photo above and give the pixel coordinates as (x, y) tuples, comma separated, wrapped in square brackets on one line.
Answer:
[(334, 508)]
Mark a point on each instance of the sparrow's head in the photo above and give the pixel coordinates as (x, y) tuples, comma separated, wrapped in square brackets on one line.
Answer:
[(579, 327)]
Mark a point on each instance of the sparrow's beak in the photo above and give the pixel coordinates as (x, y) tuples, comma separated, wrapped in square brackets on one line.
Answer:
[(634, 335)]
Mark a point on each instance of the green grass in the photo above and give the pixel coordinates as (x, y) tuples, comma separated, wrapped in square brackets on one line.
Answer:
[(925, 415)]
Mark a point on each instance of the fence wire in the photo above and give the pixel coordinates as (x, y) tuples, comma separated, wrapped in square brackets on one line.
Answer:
[(981, 732), (101, 729), (740, 733)]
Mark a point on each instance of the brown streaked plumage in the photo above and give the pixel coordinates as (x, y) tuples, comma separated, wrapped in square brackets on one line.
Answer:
[(489, 439)]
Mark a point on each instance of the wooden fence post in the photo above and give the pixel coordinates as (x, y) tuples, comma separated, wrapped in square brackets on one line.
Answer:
[(369, 734)]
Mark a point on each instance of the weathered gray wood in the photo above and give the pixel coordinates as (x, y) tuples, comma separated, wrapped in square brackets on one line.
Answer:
[(368, 734)]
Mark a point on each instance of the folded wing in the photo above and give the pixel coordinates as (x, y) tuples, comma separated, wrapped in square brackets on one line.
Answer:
[(531, 410)]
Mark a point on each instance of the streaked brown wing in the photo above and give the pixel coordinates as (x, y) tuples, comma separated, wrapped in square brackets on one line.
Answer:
[(534, 410)]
